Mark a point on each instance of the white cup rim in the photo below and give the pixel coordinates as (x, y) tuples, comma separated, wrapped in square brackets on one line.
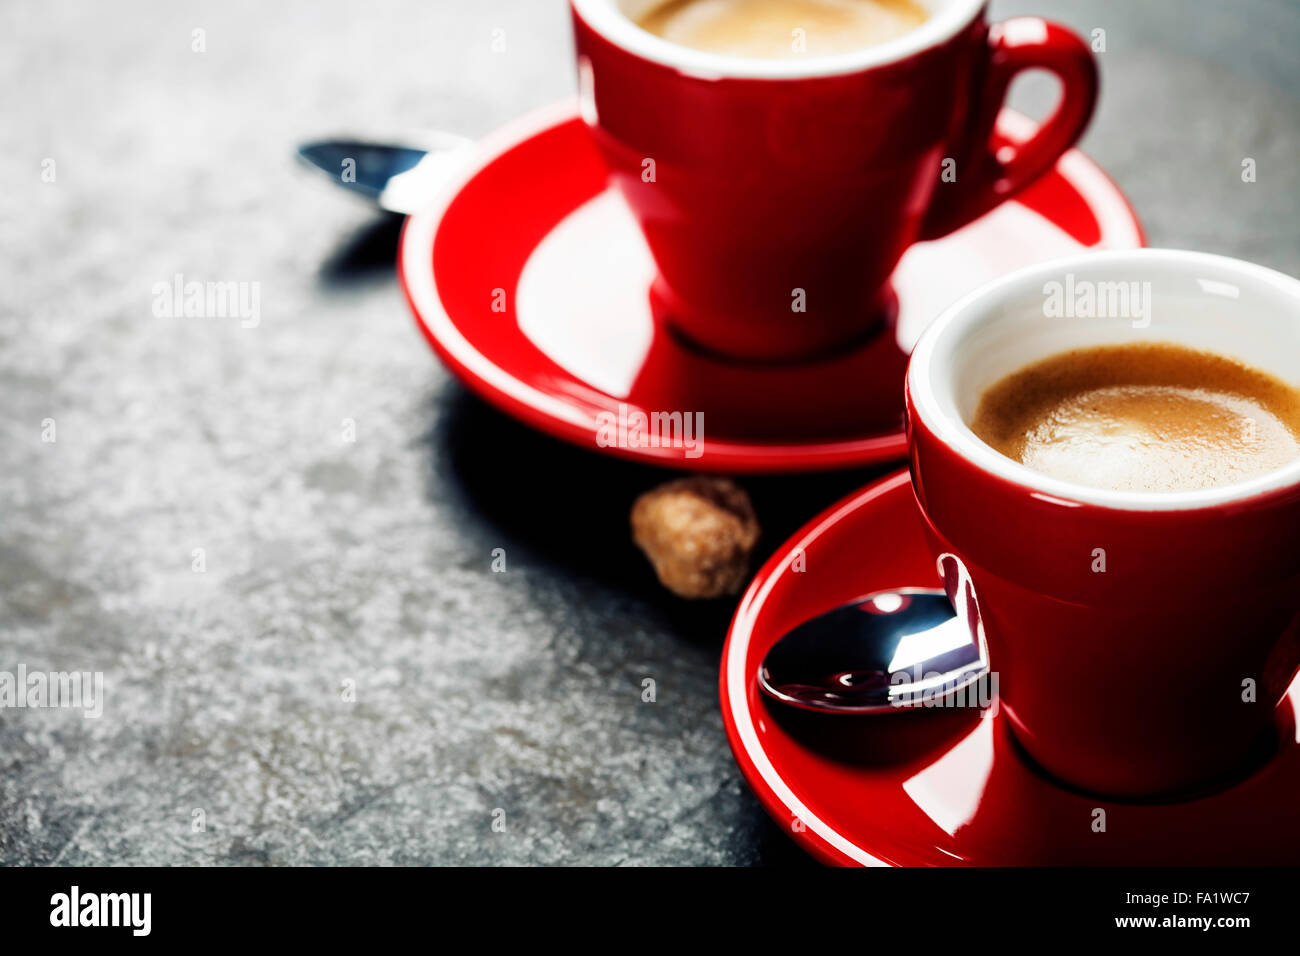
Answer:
[(608, 20), (959, 317)]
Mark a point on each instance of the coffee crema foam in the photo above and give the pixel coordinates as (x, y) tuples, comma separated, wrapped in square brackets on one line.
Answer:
[(766, 28), (1149, 417)]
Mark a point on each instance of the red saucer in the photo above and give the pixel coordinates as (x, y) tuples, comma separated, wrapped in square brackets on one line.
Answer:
[(533, 228), (951, 786)]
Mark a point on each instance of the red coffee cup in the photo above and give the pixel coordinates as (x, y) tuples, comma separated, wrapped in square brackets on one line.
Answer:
[(777, 195), (1142, 640)]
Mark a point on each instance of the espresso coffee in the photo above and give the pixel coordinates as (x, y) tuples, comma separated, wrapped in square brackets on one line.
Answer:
[(1150, 417), (780, 29)]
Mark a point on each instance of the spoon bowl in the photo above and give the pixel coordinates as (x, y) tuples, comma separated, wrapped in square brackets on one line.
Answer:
[(399, 176), (881, 653)]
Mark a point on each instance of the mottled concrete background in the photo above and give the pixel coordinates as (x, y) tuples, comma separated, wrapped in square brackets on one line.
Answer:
[(330, 562)]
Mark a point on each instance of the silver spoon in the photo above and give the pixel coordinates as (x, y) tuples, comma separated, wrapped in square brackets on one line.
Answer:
[(399, 175), (880, 653)]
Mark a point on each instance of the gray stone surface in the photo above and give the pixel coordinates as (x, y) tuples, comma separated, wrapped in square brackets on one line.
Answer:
[(334, 564)]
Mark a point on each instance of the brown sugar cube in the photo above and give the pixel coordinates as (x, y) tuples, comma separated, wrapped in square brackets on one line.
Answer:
[(699, 533)]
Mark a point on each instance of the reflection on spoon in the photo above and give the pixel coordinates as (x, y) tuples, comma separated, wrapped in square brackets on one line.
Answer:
[(880, 653)]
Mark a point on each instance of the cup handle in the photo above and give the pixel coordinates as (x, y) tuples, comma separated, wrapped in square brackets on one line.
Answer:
[(986, 176)]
